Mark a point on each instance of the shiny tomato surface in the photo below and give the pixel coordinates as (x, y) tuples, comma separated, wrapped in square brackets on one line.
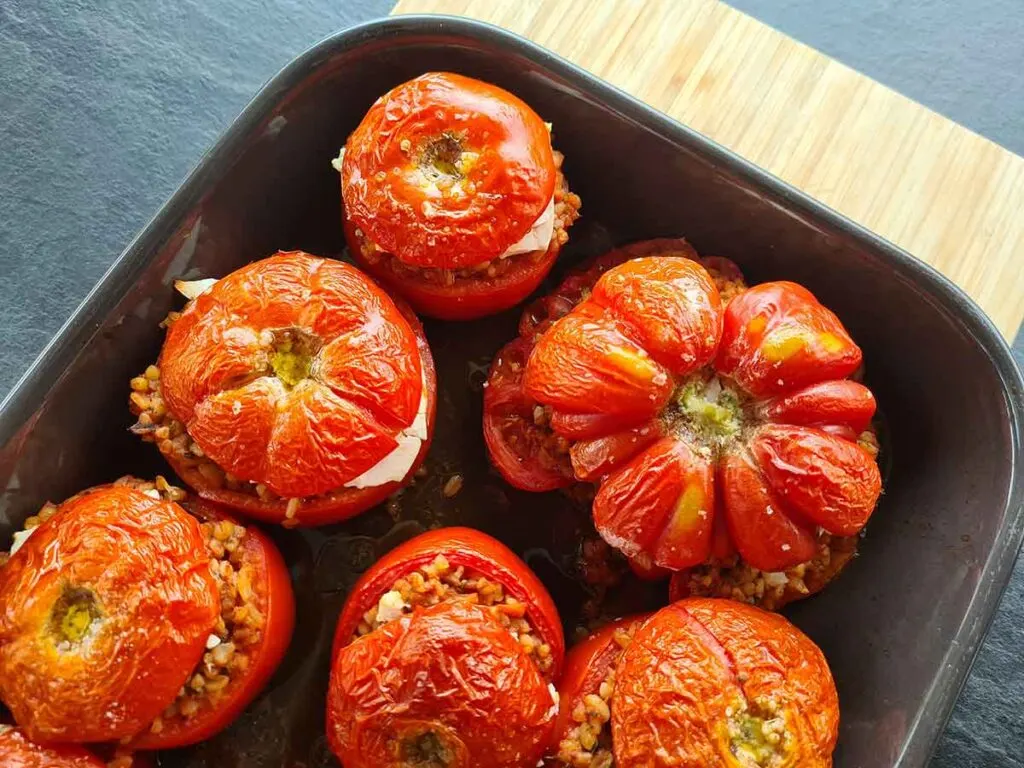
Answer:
[(721, 684), (447, 684), (266, 575), (106, 611), (685, 409), (16, 751), (448, 173), (297, 374)]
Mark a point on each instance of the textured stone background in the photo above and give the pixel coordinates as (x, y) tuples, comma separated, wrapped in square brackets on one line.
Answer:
[(105, 106)]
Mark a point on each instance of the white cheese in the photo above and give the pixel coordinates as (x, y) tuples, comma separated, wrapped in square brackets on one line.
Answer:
[(396, 465), (539, 236), (190, 289), (390, 606), (553, 712), (20, 538), (337, 161), (212, 642)]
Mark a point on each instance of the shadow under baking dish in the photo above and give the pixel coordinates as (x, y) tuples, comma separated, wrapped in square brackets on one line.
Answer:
[(900, 627)]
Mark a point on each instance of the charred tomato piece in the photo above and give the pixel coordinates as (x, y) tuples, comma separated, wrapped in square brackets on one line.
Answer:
[(129, 619), (445, 655), (717, 421), (293, 390), (454, 197)]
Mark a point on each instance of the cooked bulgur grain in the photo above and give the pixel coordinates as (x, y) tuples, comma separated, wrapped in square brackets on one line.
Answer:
[(758, 736), (589, 743), (438, 581), (733, 578), (567, 210)]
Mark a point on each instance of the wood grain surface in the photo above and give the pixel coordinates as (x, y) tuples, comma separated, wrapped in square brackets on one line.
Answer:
[(945, 194)]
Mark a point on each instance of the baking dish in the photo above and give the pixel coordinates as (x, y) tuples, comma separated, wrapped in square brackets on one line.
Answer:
[(900, 627)]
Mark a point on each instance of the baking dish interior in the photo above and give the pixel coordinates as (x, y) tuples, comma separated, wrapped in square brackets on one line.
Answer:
[(936, 552)]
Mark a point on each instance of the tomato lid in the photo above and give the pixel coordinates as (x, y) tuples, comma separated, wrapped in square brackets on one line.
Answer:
[(447, 172)]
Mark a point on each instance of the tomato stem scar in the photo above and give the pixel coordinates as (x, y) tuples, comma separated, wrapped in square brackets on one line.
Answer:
[(73, 615)]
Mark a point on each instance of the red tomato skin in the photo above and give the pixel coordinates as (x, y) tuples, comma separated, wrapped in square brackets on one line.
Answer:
[(384, 195), (16, 751), (471, 549), (278, 608), (336, 505), (777, 338), (450, 670), (659, 504), (694, 664), (830, 481), (159, 590)]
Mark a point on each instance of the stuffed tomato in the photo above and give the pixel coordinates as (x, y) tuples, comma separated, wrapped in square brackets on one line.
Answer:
[(454, 197), (703, 682), (445, 654), (293, 390), (718, 422), (133, 614)]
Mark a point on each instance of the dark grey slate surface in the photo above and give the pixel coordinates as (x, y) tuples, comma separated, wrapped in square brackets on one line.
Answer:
[(104, 110)]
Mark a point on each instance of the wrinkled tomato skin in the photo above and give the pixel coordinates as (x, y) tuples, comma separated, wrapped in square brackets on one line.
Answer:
[(451, 669), (278, 608), (507, 410), (515, 163), (587, 664), (777, 338), (622, 356), (158, 591), (472, 550), (283, 276), (451, 673), (698, 663), (391, 200), (16, 751)]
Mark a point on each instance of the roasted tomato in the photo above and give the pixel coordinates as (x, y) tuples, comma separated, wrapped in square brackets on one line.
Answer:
[(16, 751), (127, 619), (719, 434), (444, 655), (293, 390), (720, 684), (582, 737), (454, 197)]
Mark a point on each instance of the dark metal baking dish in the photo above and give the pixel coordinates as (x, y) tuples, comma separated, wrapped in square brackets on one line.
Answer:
[(900, 627)]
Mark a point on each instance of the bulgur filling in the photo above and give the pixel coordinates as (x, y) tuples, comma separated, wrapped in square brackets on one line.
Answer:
[(566, 211), (758, 737), (589, 743), (438, 581), (735, 579)]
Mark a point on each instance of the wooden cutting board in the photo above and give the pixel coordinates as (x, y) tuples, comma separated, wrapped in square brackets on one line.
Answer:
[(945, 194)]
